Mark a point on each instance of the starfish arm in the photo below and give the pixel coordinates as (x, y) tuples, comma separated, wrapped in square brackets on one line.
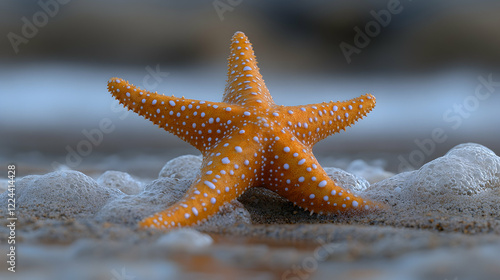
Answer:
[(314, 122), (245, 85), (200, 123), (299, 178), (225, 174)]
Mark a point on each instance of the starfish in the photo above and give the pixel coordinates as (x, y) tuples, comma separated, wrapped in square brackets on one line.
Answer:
[(247, 141)]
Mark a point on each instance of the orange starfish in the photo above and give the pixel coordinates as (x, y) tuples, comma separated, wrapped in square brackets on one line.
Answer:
[(247, 141)]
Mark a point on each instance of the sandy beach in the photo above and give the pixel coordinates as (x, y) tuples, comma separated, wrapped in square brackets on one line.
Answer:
[(440, 225)]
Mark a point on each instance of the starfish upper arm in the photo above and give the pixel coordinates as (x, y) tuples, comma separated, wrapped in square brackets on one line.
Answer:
[(193, 121), (314, 122)]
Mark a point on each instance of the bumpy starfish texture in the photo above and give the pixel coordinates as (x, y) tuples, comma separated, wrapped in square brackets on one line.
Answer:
[(247, 140)]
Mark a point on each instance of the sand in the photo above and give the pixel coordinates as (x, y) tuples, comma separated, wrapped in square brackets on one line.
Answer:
[(443, 223)]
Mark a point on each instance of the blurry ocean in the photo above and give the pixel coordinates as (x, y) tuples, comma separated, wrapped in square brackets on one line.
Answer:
[(52, 114)]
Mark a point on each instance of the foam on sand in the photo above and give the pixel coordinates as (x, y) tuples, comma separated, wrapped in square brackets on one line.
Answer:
[(466, 180), (444, 215), (61, 193)]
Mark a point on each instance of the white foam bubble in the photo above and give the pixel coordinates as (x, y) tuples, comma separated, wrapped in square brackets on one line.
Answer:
[(466, 179), (155, 197), (70, 193), (121, 181), (183, 167), (347, 180)]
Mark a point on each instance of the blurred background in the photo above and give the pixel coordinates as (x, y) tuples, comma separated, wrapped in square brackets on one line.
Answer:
[(433, 66)]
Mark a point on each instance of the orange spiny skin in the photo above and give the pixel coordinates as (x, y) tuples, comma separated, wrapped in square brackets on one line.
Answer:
[(247, 140)]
